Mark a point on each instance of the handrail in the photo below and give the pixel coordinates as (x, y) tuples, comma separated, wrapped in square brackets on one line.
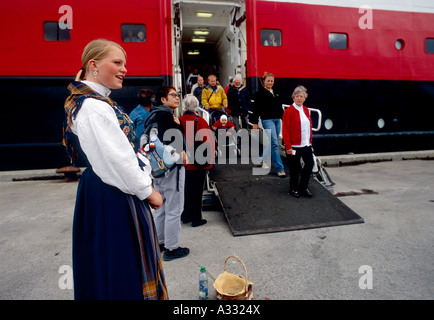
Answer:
[(205, 114), (310, 109), (284, 106)]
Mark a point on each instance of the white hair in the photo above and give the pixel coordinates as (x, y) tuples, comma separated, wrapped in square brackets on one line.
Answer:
[(300, 89), (190, 103)]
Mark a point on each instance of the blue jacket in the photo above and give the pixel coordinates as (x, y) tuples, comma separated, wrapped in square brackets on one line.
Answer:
[(138, 116)]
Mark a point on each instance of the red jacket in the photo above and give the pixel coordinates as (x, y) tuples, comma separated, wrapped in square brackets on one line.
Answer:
[(291, 126), (208, 137)]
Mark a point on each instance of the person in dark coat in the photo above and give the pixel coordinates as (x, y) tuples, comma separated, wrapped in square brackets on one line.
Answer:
[(268, 107), (195, 175), (239, 103)]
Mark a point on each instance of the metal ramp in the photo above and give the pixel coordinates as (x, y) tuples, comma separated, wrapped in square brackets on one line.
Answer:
[(261, 204)]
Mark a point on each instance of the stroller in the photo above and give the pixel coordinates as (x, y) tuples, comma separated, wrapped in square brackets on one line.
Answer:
[(230, 144)]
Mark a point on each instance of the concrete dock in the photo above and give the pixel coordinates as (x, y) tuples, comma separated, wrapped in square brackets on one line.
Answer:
[(389, 256)]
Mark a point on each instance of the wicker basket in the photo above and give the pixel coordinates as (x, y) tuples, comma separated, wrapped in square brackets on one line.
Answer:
[(230, 286)]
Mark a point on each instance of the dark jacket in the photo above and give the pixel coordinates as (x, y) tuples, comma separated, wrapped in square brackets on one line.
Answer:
[(239, 100), (267, 105), (161, 117)]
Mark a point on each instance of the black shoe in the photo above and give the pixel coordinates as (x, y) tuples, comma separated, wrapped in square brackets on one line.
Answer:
[(175, 253), (294, 194), (198, 223), (162, 248), (306, 193)]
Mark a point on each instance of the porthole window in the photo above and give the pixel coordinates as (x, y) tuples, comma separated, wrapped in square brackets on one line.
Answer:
[(328, 124), (399, 44), (133, 32), (380, 123), (338, 41)]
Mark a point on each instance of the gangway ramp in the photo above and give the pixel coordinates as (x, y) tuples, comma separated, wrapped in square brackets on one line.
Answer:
[(255, 204)]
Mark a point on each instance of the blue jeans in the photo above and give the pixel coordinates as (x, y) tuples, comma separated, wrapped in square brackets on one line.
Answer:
[(274, 126)]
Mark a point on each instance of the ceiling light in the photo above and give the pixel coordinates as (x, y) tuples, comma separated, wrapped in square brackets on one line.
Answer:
[(198, 39), (193, 52), (204, 14), (201, 32)]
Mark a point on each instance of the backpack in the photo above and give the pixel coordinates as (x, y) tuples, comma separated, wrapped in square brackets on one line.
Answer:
[(162, 157)]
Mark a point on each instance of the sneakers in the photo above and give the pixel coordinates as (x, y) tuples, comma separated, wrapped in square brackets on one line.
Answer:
[(175, 253), (281, 174), (265, 166)]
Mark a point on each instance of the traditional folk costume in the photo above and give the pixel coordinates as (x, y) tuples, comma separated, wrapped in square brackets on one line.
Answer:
[(115, 248)]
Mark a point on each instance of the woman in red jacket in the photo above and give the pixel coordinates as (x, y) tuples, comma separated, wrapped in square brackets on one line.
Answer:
[(297, 136), (195, 174)]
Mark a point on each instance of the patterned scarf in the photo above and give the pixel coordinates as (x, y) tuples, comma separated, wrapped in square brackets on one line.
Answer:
[(79, 92)]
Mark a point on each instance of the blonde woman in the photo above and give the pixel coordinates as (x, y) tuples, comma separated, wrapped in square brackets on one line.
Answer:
[(268, 107), (115, 249)]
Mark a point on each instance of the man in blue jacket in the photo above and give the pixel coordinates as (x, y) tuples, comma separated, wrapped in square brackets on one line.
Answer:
[(141, 112)]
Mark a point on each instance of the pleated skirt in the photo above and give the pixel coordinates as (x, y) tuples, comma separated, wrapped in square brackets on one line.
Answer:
[(114, 246)]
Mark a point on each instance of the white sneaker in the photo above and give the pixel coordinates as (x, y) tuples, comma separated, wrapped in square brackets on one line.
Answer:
[(264, 166)]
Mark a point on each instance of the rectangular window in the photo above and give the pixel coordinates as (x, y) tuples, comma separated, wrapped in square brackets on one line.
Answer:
[(53, 32), (429, 45), (133, 32), (271, 37), (338, 41)]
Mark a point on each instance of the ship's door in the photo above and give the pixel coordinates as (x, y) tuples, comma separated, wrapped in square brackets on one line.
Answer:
[(209, 36)]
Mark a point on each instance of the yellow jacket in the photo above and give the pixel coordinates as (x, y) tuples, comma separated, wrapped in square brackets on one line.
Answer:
[(214, 99)]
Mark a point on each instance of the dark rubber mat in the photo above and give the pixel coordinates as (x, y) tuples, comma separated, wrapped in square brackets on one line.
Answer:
[(256, 204)]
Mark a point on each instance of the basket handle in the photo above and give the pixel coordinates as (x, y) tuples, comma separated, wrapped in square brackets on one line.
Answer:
[(245, 269)]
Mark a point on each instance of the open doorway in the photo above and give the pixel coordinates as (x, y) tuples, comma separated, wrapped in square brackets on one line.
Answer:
[(209, 41)]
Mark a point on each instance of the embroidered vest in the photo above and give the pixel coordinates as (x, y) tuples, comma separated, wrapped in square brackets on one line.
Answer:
[(79, 92)]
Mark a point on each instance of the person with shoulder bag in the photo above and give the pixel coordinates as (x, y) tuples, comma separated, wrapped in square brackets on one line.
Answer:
[(201, 146), (171, 185)]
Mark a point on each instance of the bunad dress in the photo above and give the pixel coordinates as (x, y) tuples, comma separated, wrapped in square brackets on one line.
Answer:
[(115, 249)]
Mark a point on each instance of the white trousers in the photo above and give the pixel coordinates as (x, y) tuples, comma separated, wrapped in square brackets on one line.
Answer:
[(167, 218)]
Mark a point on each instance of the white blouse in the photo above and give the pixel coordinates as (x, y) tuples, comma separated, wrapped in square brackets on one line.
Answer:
[(305, 127), (107, 148)]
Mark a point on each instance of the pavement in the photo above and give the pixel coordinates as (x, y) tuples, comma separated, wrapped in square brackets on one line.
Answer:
[(389, 256)]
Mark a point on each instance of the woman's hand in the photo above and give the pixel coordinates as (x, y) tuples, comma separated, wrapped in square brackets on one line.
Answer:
[(184, 158), (176, 120), (290, 152), (155, 199)]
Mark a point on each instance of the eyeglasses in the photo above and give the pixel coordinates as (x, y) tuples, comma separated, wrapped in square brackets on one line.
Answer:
[(175, 95)]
